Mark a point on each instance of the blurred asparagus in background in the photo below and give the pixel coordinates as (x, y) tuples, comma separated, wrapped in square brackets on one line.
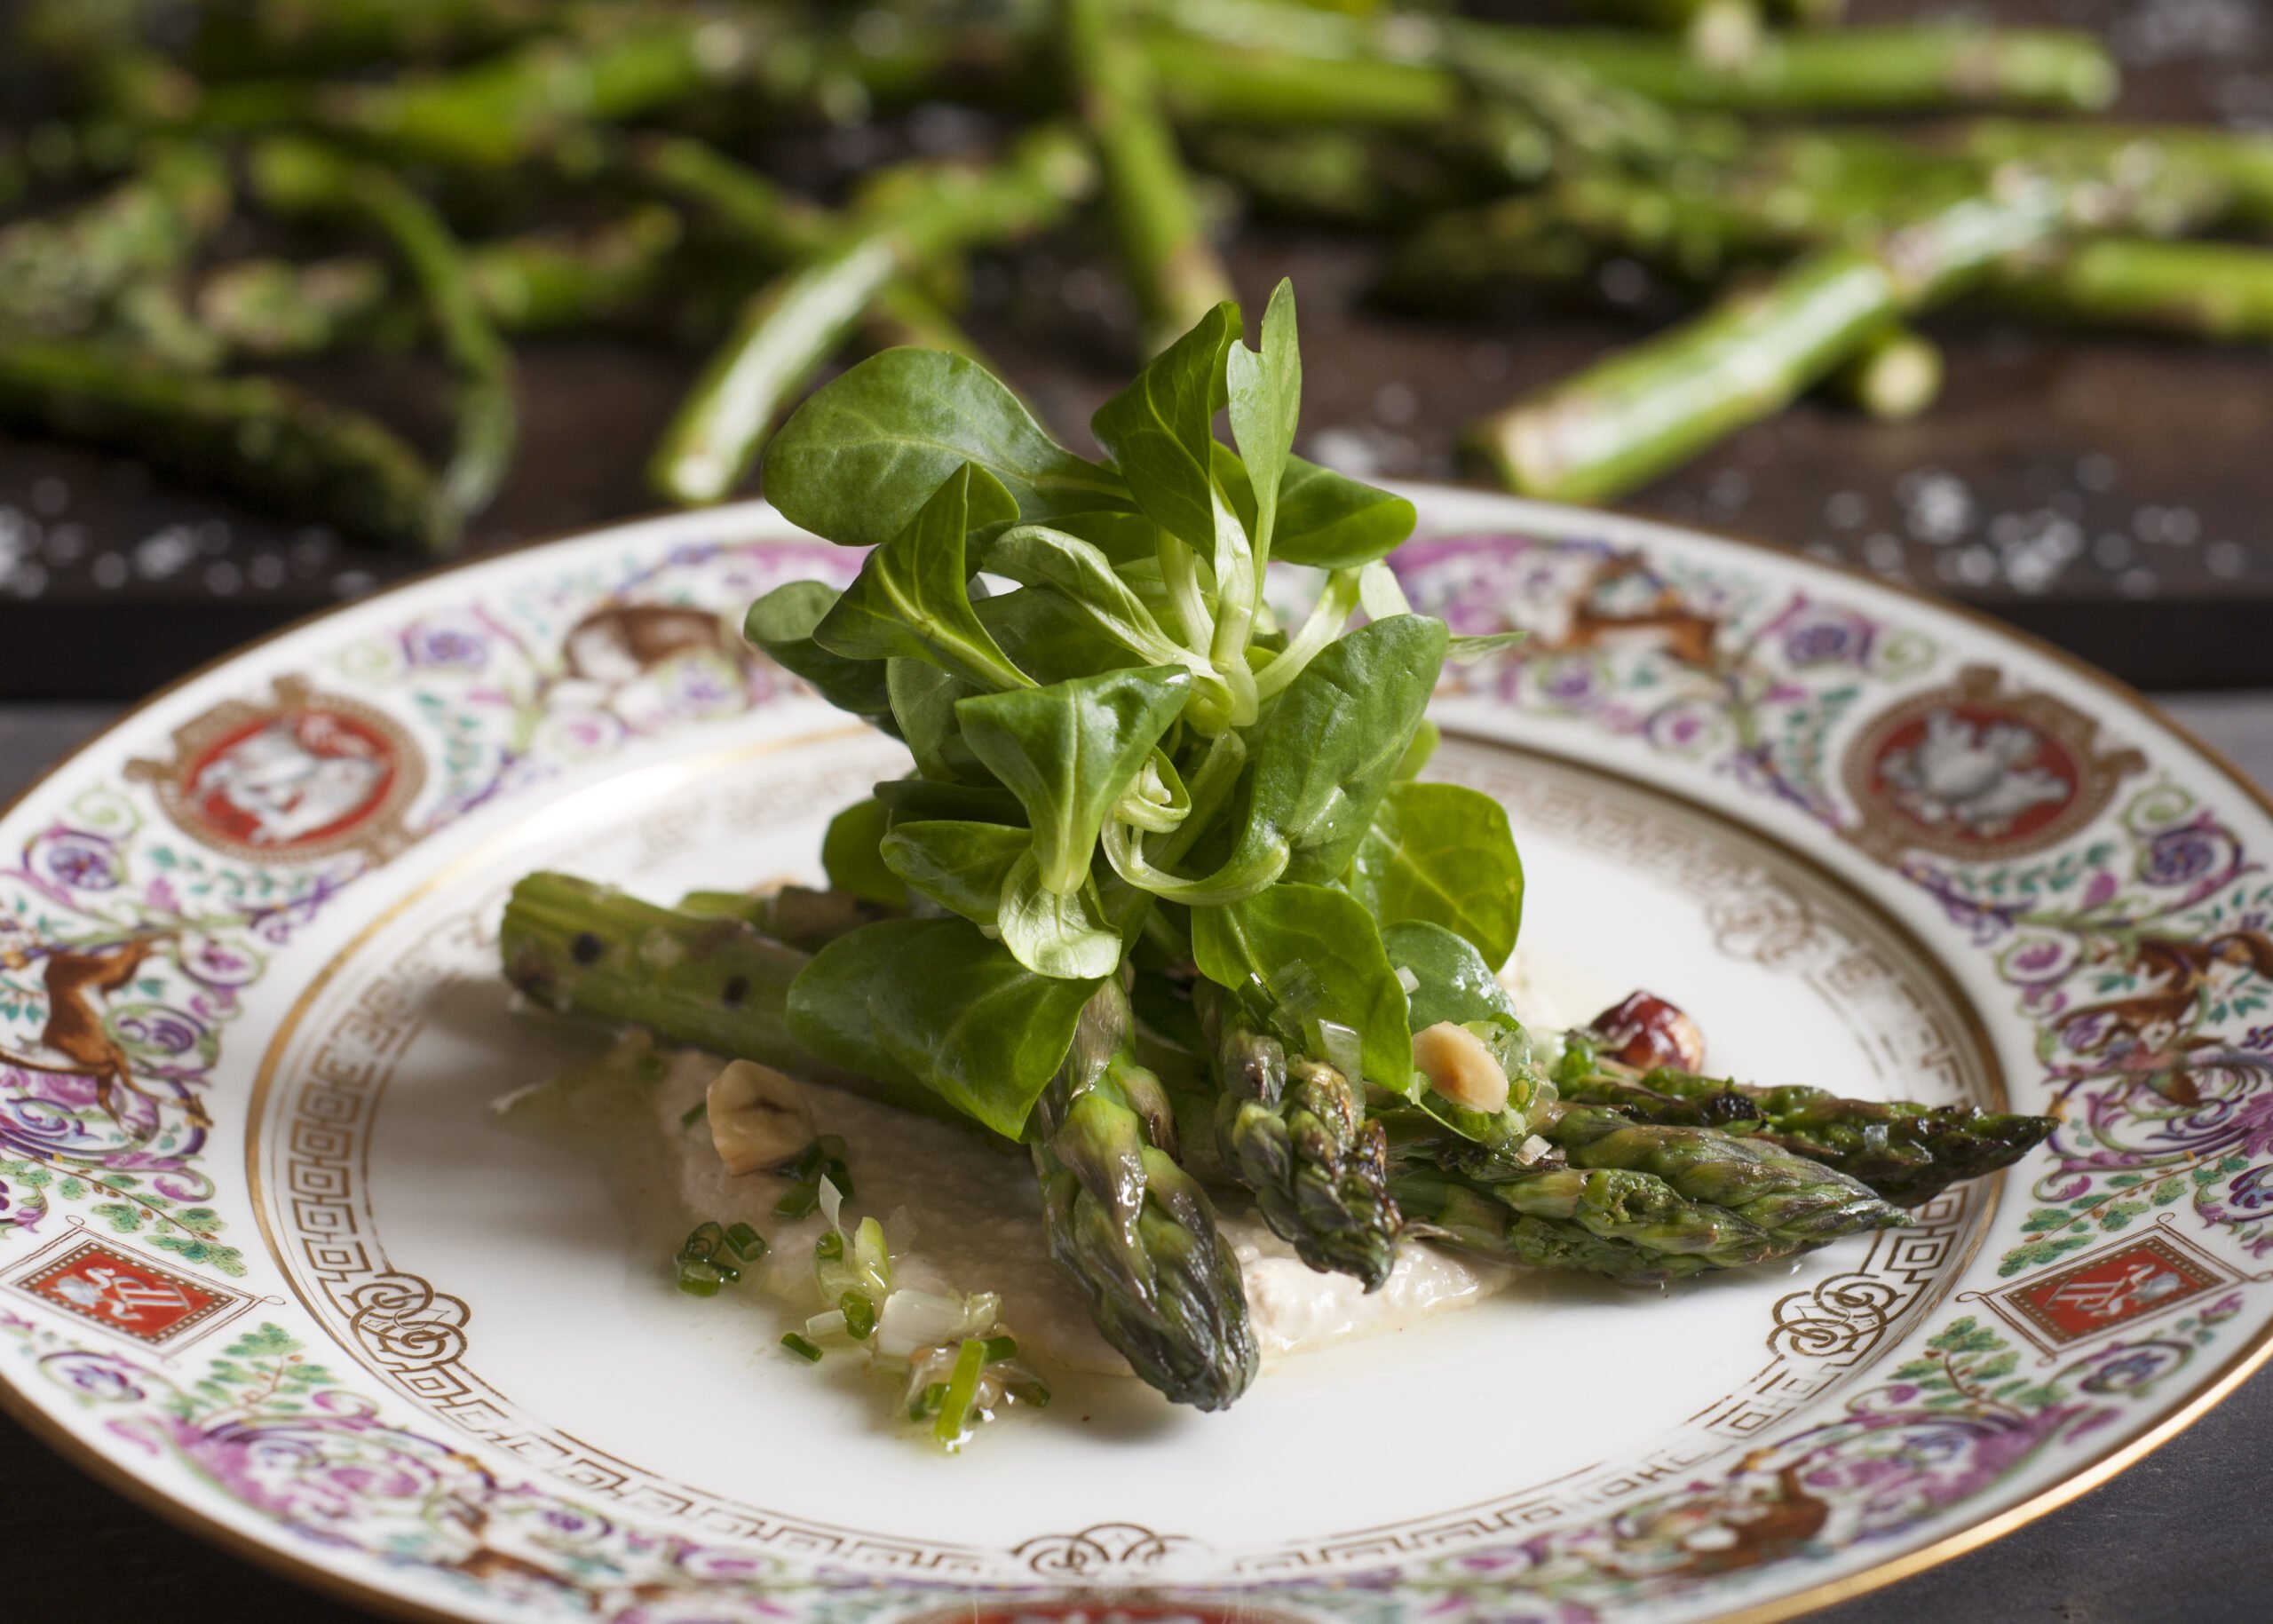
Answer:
[(548, 166)]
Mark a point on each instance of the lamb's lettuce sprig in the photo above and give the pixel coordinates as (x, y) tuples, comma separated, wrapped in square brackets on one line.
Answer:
[(1118, 748)]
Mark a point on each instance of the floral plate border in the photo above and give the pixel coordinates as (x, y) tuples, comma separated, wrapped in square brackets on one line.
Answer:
[(2109, 887)]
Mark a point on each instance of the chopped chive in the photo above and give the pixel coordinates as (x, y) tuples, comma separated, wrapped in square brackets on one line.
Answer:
[(831, 1244), (860, 1315), (807, 1164), (744, 1242), (700, 1277), (803, 1348), (701, 1241), (694, 1113), (1001, 1348), (962, 1392), (839, 1175), (799, 1200), (1034, 1393), (652, 1067)]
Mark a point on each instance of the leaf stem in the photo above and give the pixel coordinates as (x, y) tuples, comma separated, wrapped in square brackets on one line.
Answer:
[(1324, 624), (1180, 568)]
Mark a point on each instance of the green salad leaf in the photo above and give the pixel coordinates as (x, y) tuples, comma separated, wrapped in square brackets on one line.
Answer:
[(1159, 431), (1443, 854), (912, 598), (858, 461), (1069, 751), (1316, 955), (781, 623), (1322, 759), (959, 865), (1265, 390), (934, 1001), (1454, 981), (849, 854)]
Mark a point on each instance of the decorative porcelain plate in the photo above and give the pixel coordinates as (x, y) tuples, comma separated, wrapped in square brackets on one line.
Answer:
[(268, 1258)]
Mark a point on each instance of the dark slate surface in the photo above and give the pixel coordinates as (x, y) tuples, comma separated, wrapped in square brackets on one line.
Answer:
[(2110, 492)]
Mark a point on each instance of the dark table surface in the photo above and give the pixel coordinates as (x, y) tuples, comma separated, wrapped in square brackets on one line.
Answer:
[(2186, 1534), (2109, 492)]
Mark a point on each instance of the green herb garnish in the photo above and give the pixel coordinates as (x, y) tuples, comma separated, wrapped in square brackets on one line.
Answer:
[(803, 1349), (962, 1393), (799, 1200)]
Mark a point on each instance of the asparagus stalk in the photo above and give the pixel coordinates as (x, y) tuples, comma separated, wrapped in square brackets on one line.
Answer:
[(1907, 1153), (796, 915), (1473, 1217), (1650, 408), (553, 280), (1133, 1226), (1348, 178), (1171, 266), (1203, 80), (792, 324), (517, 106), (1722, 33), (742, 205), (704, 977), (1813, 191), (1895, 376), (1466, 60), (726, 194), (1875, 70), (294, 36), (270, 308), (154, 318), (1641, 1210), (1790, 1198), (2216, 290), (1849, 70), (539, 282), (56, 272), (1294, 1131), (258, 436), (2242, 161), (299, 177), (1630, 418)]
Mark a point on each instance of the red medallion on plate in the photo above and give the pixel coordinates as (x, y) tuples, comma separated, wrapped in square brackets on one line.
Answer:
[(303, 776), (125, 1293), (2108, 1288), (1974, 770)]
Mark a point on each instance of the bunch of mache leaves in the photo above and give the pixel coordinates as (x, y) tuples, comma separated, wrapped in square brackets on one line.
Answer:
[(1166, 901), (1131, 776)]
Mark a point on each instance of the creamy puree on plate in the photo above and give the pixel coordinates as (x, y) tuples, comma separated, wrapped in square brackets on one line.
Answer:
[(976, 1224)]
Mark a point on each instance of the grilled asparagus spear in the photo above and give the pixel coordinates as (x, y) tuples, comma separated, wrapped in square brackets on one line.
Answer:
[(1293, 1130), (253, 435), (299, 177), (792, 324), (1907, 1153)]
